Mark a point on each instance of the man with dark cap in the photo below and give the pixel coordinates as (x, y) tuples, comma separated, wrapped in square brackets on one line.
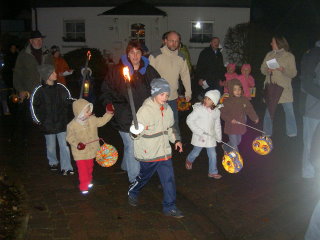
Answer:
[(26, 77)]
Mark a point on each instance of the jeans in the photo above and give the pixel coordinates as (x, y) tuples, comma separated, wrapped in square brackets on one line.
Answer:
[(65, 161), (291, 126), (211, 152), (313, 231), (309, 127), (174, 106), (166, 175), (234, 141), (129, 163)]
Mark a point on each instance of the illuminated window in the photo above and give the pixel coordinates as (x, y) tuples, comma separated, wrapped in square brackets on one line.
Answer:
[(138, 32), (74, 31), (201, 31)]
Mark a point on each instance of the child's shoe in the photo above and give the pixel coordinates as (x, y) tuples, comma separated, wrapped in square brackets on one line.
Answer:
[(188, 165), (85, 192), (90, 185), (176, 213), (215, 176)]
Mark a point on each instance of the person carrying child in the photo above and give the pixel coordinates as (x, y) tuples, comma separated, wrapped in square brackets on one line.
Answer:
[(236, 109), (230, 74), (152, 147), (246, 79), (49, 105), (82, 135), (204, 122)]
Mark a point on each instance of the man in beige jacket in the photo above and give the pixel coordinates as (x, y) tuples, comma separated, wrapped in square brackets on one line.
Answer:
[(170, 65)]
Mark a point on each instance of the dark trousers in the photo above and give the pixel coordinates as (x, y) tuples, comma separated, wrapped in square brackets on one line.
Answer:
[(166, 175)]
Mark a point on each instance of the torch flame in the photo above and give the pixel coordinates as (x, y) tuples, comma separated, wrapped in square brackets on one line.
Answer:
[(126, 73), (89, 55)]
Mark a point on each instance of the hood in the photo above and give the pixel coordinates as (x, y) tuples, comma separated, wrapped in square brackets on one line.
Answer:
[(231, 83), (144, 62), (78, 107)]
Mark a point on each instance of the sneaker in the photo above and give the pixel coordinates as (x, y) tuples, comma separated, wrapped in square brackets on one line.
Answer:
[(176, 213), (70, 172), (84, 192), (64, 172), (53, 167), (90, 185), (133, 201)]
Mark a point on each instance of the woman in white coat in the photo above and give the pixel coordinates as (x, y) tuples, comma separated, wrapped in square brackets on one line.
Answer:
[(204, 122)]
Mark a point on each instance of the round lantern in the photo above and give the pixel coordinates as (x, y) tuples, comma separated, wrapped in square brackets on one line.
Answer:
[(262, 145), (232, 162), (107, 155), (223, 97), (183, 105)]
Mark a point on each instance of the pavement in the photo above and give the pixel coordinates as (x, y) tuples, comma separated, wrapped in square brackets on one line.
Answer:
[(267, 199)]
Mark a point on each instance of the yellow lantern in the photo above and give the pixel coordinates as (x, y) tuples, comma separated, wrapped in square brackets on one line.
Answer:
[(262, 145), (86, 88), (232, 162), (223, 97), (107, 156), (183, 105)]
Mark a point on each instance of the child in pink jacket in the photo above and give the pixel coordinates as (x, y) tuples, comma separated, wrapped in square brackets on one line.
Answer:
[(246, 80), (230, 74)]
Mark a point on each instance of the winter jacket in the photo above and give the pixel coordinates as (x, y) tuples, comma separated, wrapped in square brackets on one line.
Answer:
[(210, 67), (236, 108), (25, 75), (310, 81), (153, 143), (228, 77), (247, 83), (114, 91), (283, 79), (86, 133), (205, 126), (49, 107), (61, 66), (171, 65)]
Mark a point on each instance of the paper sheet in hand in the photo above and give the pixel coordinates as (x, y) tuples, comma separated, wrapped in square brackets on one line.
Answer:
[(66, 73), (205, 85), (273, 64)]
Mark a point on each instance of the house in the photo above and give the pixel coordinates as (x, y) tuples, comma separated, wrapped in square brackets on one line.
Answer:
[(109, 25)]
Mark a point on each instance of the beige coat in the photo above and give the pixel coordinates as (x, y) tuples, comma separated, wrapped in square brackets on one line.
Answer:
[(153, 143), (283, 79), (86, 133), (170, 65)]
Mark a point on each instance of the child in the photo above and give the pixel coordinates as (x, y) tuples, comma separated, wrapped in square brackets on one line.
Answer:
[(204, 122), (152, 147), (49, 108), (236, 108), (246, 80), (83, 131), (230, 74)]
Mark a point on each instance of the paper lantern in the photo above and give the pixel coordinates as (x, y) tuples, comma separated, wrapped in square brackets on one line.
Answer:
[(232, 162), (107, 155), (262, 145), (223, 97), (183, 105)]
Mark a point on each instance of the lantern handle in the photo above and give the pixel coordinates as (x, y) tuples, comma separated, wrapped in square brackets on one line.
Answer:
[(99, 139), (229, 146), (251, 127)]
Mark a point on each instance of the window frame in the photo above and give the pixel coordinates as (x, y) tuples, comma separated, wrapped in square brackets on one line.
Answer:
[(75, 38), (141, 39), (202, 40)]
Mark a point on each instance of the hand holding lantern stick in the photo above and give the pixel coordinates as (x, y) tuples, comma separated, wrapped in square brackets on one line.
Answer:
[(136, 128)]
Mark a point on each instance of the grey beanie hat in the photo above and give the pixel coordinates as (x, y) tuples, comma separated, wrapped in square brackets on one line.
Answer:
[(45, 71), (159, 85)]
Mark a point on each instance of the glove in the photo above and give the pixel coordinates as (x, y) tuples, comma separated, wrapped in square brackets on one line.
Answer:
[(81, 146), (110, 108)]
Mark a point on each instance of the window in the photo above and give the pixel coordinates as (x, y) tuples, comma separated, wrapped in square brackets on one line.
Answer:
[(74, 31), (137, 32), (201, 31)]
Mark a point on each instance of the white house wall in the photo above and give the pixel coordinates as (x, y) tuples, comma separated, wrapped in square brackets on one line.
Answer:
[(110, 34)]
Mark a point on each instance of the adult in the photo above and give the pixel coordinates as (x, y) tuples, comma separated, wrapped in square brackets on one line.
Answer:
[(281, 76), (114, 91), (310, 85), (61, 66), (9, 60), (210, 69), (26, 77), (171, 65)]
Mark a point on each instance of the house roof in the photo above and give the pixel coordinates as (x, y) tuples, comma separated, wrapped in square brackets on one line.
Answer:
[(135, 7), (158, 3)]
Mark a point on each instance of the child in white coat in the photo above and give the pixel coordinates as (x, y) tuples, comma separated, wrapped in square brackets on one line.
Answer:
[(204, 122)]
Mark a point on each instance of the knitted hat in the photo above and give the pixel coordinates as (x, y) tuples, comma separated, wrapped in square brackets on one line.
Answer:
[(45, 71), (214, 95), (232, 66), (244, 66), (159, 85)]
